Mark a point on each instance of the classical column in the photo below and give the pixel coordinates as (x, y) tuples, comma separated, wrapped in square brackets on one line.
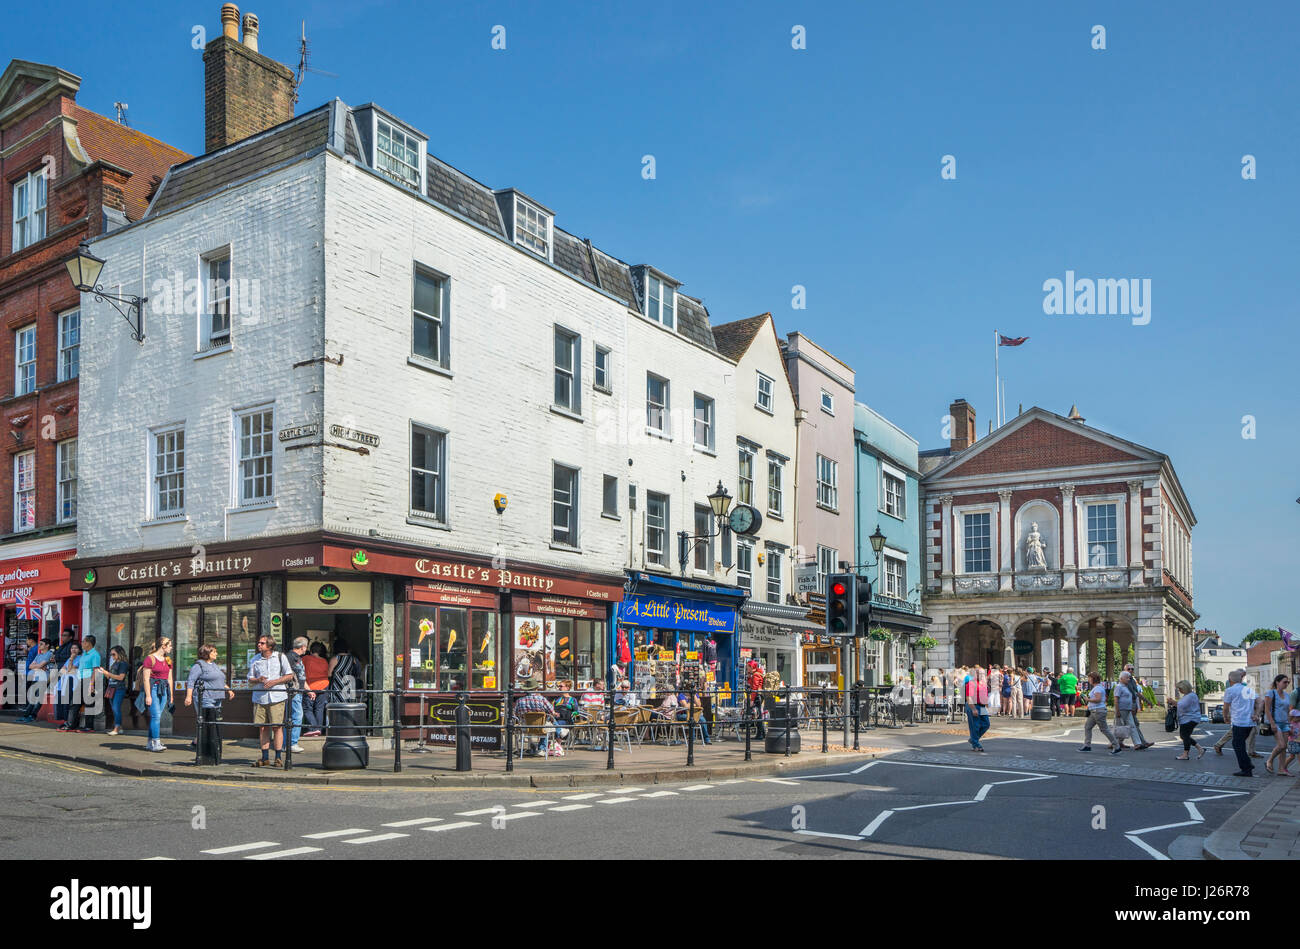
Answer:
[(1135, 568), (1067, 537), (1056, 648), (946, 533), (1006, 548), (1110, 645), (1072, 650), (1037, 654)]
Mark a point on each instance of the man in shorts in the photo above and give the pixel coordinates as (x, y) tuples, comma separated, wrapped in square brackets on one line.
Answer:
[(1069, 684), (268, 674)]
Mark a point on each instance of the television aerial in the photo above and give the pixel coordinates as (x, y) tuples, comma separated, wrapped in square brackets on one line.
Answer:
[(304, 56)]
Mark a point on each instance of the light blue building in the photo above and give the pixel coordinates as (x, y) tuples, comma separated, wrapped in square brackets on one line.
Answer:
[(886, 482)]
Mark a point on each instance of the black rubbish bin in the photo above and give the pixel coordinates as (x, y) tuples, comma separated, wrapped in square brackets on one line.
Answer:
[(345, 746), (1042, 710), (779, 721)]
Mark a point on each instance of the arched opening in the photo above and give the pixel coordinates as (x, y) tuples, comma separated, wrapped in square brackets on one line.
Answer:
[(1041, 643), (1106, 645), (980, 643)]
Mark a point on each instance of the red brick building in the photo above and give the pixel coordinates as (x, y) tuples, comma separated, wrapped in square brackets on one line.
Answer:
[(1048, 537), (66, 174)]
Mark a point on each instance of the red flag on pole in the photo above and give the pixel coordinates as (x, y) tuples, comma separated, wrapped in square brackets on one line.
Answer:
[(1008, 341)]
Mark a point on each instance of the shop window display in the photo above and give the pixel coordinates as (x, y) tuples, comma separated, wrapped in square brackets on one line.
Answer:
[(453, 648), (557, 652)]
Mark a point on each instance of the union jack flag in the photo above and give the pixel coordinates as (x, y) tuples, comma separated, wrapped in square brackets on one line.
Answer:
[(25, 608), (1287, 641), (1008, 341)]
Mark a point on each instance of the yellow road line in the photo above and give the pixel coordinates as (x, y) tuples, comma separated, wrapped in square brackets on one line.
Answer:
[(36, 759)]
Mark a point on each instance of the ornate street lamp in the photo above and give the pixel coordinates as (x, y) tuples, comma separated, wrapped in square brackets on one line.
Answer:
[(877, 541), (720, 501), (84, 270)]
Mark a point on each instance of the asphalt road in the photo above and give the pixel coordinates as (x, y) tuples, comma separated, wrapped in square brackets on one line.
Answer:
[(1025, 798)]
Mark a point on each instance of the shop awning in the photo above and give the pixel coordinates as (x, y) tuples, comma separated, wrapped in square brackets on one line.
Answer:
[(794, 618)]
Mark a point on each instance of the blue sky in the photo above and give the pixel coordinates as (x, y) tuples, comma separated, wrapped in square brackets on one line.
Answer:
[(821, 167)]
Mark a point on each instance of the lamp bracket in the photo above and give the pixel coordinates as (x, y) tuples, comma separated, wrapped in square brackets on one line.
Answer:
[(132, 303)]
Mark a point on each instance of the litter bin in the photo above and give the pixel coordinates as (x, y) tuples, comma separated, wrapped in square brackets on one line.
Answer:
[(1042, 710), (345, 746), (779, 721)]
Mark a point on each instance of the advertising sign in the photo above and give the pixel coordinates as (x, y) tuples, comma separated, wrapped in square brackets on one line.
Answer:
[(662, 612)]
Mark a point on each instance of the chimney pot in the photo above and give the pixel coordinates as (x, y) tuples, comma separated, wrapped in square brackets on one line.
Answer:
[(963, 425), (230, 20), (250, 31)]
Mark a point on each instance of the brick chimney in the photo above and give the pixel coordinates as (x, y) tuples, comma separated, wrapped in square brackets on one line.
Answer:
[(963, 425), (244, 92)]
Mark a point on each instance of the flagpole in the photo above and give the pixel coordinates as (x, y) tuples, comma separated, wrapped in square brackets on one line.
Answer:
[(997, 382)]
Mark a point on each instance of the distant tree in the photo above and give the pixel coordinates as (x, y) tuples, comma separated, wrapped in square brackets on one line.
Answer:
[(1204, 686), (1261, 635)]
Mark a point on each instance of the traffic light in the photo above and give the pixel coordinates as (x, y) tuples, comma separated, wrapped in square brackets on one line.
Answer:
[(841, 604), (863, 614)]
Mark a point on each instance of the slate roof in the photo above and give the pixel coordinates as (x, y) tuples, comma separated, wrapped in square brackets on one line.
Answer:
[(210, 172), (734, 339), (146, 158), (446, 186)]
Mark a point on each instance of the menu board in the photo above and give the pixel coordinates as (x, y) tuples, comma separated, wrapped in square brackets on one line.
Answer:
[(531, 653)]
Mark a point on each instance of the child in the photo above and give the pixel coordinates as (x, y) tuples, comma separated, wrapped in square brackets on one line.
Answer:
[(1292, 741)]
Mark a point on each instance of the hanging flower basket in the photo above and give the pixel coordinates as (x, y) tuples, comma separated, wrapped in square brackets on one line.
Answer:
[(925, 643), (880, 635)]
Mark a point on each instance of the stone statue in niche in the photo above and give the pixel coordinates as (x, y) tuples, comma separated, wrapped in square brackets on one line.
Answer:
[(1035, 552)]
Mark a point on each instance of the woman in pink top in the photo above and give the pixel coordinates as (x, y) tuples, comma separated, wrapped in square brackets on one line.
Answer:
[(156, 689)]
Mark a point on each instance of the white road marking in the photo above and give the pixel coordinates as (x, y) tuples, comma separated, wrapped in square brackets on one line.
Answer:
[(921, 807), (870, 764), (415, 822), (818, 833), (1147, 847), (535, 804), (1219, 796), (570, 807), (583, 797), (880, 819), (617, 800), (237, 848), (375, 838), (732, 781), (623, 790), (276, 855), (1192, 812), (661, 794), (453, 826), (160, 858), (699, 787), (478, 813), (1147, 830), (514, 816), (778, 781), (326, 834)]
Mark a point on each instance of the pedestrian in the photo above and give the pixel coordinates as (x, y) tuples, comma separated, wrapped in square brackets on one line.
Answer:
[(1097, 715), (1277, 706), (995, 680), (61, 654), (117, 678), (756, 697), (157, 690), (536, 702), (1242, 700), (38, 677), (1054, 693), (70, 688), (975, 690), (1139, 702), (88, 673), (1188, 707), (299, 667), (316, 664), (1127, 702), (1017, 696), (207, 673), (344, 672), (1226, 737), (269, 672)]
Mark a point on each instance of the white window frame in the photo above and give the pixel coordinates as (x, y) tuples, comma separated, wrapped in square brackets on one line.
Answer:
[(745, 559), (1083, 554), (528, 234), (24, 369), (742, 497), (156, 475), (660, 307), (828, 402), (239, 461), (959, 537), (441, 319), (769, 408), (776, 466), (888, 472), (663, 409), (889, 556), (570, 374), (827, 563), (398, 162), (66, 477), (708, 422), (600, 370), (571, 538), (703, 549), (775, 564), (606, 509), (212, 338), (35, 216), (828, 491), (24, 487), (69, 348), (439, 514), (658, 556)]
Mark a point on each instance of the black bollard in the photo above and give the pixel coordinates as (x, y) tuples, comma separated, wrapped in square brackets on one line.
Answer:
[(789, 722), (609, 728), (825, 747), (690, 729), (745, 720), (462, 734), (856, 699), (397, 726), (510, 732)]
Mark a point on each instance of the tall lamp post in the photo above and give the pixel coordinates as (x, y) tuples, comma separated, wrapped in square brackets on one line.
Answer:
[(84, 270)]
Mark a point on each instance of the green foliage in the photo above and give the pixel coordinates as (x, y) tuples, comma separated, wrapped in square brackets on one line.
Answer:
[(925, 643), (1204, 686), (1260, 636), (880, 635)]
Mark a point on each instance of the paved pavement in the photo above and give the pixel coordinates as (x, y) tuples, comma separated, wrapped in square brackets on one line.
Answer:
[(1032, 795)]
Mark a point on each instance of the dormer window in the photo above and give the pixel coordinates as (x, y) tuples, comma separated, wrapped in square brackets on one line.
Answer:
[(397, 154), (532, 228), (660, 301)]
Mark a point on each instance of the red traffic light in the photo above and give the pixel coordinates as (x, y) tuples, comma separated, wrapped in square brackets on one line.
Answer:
[(838, 589)]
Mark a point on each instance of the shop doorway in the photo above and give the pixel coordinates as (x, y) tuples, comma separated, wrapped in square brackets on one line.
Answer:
[(331, 628)]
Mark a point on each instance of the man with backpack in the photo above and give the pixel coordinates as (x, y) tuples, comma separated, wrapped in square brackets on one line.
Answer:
[(976, 692), (268, 673)]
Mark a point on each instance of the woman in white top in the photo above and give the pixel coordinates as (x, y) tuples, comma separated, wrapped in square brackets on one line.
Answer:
[(995, 691)]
